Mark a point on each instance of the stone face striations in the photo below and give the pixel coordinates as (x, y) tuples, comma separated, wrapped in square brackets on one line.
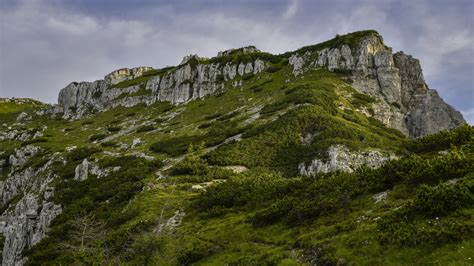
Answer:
[(396, 81), (186, 82)]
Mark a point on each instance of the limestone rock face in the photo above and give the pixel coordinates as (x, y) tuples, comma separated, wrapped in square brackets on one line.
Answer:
[(180, 85), (22, 155), (27, 209), (122, 74), (427, 112), (297, 63), (395, 80), (403, 100), (245, 50), (82, 171), (342, 159)]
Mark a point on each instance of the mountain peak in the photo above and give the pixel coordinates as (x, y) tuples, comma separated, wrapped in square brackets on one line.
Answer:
[(246, 50), (404, 101)]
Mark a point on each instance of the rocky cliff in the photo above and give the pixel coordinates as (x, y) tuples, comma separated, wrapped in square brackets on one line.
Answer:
[(25, 200), (396, 81), (188, 81), (404, 101)]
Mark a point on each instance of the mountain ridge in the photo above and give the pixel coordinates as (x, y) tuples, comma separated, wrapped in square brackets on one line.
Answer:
[(407, 103), (246, 158)]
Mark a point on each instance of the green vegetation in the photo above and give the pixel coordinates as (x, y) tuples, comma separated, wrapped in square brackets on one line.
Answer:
[(217, 133), (145, 128), (10, 109), (350, 39), (37, 140), (360, 99), (98, 136), (114, 128), (216, 181), (98, 203)]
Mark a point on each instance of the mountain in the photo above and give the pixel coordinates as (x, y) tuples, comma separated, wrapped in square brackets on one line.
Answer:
[(336, 153)]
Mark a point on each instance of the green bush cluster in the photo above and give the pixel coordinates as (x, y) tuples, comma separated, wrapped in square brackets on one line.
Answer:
[(297, 200), (250, 188), (278, 144), (103, 200), (434, 217), (350, 39), (109, 144), (443, 140), (218, 132), (213, 115), (193, 169), (361, 99), (97, 136), (35, 140), (66, 169), (145, 128), (444, 198), (248, 76), (238, 56), (114, 128)]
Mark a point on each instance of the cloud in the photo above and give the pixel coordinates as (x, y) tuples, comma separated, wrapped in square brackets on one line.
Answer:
[(45, 44), (469, 116), (291, 10)]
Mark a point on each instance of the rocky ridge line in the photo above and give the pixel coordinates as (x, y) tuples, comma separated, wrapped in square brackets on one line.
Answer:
[(396, 81)]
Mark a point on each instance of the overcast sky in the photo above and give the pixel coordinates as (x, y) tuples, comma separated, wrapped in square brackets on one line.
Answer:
[(46, 44)]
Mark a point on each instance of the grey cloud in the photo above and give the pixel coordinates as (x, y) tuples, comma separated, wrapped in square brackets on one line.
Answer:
[(44, 44)]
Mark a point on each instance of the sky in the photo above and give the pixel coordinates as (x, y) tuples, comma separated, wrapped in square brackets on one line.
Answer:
[(46, 44)]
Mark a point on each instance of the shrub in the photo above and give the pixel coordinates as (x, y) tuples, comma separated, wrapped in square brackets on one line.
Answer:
[(444, 198), (114, 128), (144, 248), (274, 68), (159, 120), (191, 165), (213, 115), (227, 116), (31, 141), (404, 228), (109, 144), (217, 133), (81, 153), (97, 136), (273, 107), (195, 252), (361, 99), (145, 128), (248, 76), (205, 125), (342, 71), (443, 140)]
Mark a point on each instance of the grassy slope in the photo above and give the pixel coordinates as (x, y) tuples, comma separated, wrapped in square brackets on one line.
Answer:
[(246, 220)]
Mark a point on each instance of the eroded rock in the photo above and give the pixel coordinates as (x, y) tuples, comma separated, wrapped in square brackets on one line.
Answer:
[(340, 158)]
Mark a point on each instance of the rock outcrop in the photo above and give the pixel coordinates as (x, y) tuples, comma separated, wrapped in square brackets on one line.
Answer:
[(178, 85), (122, 74), (396, 80), (404, 101), (340, 158), (246, 50), (27, 209)]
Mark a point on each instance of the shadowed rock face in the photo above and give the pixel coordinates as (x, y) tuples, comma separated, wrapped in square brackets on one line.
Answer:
[(126, 73), (396, 81), (187, 82), (427, 112)]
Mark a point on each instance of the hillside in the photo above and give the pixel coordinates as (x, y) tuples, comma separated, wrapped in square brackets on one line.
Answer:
[(335, 153)]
